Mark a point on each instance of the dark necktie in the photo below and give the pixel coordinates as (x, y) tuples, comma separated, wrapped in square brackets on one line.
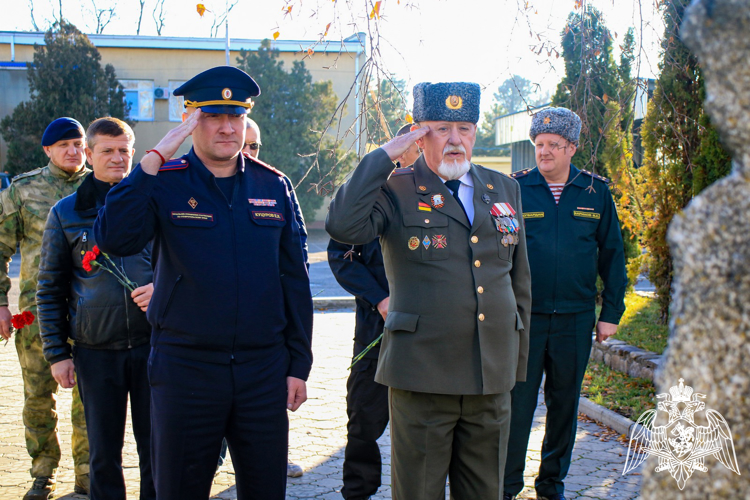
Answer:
[(453, 185)]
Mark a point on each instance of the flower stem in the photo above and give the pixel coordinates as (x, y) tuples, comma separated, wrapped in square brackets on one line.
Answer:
[(366, 350)]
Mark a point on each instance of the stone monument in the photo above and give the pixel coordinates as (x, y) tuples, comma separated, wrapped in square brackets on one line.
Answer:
[(709, 345)]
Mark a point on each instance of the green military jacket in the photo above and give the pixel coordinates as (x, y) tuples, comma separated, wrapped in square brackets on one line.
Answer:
[(459, 298), (24, 207), (571, 242)]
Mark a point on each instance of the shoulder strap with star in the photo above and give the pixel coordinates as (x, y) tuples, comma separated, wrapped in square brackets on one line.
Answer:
[(174, 164), (596, 176), (521, 173), (402, 171), (262, 164)]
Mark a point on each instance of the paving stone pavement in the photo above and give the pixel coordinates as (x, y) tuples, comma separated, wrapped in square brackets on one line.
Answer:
[(317, 435)]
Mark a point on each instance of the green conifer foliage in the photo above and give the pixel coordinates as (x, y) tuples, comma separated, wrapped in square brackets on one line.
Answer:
[(65, 79), (682, 154), (293, 114)]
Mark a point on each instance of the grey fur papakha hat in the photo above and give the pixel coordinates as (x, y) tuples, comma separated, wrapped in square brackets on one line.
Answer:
[(451, 102), (560, 121)]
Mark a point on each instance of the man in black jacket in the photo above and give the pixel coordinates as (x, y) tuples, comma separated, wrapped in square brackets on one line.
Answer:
[(100, 306)]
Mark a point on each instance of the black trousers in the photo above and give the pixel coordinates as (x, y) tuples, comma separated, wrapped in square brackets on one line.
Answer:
[(105, 379), (195, 404), (367, 408), (560, 345)]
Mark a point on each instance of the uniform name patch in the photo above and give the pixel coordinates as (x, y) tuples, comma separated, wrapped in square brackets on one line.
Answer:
[(533, 215), (192, 216), (267, 215), (587, 215)]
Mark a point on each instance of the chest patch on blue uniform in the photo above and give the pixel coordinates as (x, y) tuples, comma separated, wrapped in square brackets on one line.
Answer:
[(192, 216), (586, 215), (267, 215), (261, 202), (533, 215)]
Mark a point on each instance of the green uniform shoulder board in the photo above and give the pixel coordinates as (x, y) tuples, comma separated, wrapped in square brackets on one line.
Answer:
[(595, 176), (521, 173), (30, 173), (402, 171), (174, 164)]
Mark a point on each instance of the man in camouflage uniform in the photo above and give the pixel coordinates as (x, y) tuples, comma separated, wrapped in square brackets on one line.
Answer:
[(23, 212)]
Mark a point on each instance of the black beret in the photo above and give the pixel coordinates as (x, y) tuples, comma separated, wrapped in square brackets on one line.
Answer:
[(452, 102), (223, 89), (61, 129)]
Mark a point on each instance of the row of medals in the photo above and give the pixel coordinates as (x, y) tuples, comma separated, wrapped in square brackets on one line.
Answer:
[(509, 227)]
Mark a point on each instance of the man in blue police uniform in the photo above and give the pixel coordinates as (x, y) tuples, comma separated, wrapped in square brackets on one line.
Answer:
[(573, 233), (231, 310), (455, 256)]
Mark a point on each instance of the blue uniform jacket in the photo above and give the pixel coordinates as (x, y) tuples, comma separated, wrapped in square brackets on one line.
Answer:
[(230, 281), (571, 242), (360, 271)]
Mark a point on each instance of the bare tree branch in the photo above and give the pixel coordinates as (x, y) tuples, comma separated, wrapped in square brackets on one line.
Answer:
[(142, 3), (103, 16), (219, 21), (160, 16), (31, 12)]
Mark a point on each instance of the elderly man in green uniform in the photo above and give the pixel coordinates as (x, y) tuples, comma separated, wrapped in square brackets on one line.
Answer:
[(455, 338), (573, 233), (23, 212)]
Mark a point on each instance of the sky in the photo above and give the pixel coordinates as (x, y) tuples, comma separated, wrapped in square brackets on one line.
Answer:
[(483, 41)]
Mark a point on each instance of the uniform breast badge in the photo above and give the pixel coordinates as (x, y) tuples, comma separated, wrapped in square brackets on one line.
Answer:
[(437, 200), (426, 242), (192, 203), (439, 241), (423, 207), (413, 243), (503, 215)]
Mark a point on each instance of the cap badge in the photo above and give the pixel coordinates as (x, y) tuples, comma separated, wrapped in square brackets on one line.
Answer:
[(192, 203), (547, 120), (226, 93), (454, 102)]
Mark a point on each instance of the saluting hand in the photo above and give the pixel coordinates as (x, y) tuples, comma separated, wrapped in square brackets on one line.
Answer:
[(296, 393), (399, 144), (171, 142)]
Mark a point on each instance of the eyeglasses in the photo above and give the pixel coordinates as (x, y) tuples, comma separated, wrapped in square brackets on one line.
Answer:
[(252, 145)]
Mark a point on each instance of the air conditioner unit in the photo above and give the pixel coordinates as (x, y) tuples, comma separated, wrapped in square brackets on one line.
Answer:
[(161, 93)]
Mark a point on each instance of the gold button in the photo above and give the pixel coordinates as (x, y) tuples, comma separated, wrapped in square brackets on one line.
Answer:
[(477, 263), (427, 221), (481, 317), (480, 289), (490, 186), (474, 239)]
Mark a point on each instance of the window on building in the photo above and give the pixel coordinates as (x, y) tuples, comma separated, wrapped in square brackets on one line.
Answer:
[(175, 102), (139, 94)]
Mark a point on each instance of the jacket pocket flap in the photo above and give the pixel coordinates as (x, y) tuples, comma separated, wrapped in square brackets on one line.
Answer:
[(401, 321), (425, 220), (519, 322)]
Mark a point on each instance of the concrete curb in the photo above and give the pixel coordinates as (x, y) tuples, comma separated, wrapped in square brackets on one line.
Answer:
[(605, 416), (333, 303)]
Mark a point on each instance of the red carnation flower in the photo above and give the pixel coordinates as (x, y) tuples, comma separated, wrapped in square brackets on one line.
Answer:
[(96, 250), (17, 322), (28, 317)]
